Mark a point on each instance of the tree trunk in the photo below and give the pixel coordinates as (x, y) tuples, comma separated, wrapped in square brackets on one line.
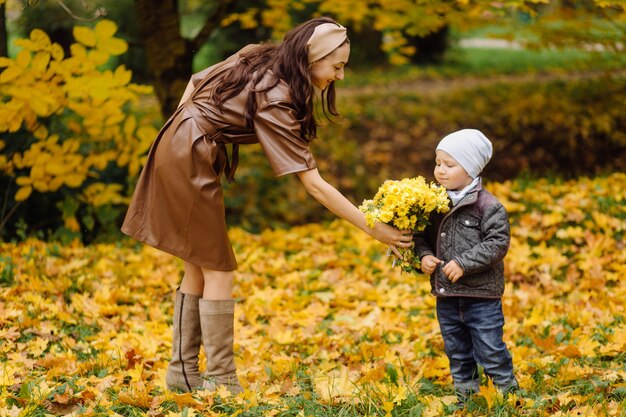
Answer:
[(169, 56), (4, 37)]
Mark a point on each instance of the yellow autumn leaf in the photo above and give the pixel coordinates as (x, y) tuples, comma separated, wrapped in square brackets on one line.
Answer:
[(73, 180), (401, 394), (98, 57), (99, 194), (588, 346), (9, 374), (137, 395), (39, 106), (40, 39), (105, 29), (100, 91), (536, 317), (10, 74), (284, 337), (37, 347), (37, 171), (113, 46), (130, 124), (23, 59), (141, 89), (136, 372), (40, 62), (42, 185), (23, 193), (570, 351), (41, 132), (23, 181), (388, 406), (433, 408), (71, 146), (55, 183), (78, 51), (115, 119), (122, 75), (56, 168), (146, 135), (56, 52), (85, 35), (15, 123), (335, 388), (491, 394)]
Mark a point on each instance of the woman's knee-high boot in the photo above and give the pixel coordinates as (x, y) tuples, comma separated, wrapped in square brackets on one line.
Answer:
[(183, 373), (217, 319)]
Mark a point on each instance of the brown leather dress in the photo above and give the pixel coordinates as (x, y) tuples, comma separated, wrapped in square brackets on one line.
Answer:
[(178, 203)]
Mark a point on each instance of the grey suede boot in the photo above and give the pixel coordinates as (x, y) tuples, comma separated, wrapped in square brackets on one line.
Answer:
[(183, 373), (217, 320)]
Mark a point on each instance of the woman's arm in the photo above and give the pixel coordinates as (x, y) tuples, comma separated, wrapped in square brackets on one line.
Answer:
[(342, 207)]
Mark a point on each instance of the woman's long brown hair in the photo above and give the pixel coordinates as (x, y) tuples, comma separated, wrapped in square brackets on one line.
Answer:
[(289, 62)]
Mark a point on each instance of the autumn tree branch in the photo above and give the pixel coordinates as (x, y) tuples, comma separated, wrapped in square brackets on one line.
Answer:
[(97, 14), (212, 22)]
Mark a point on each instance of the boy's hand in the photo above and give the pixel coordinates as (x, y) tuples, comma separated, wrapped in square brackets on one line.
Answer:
[(453, 271), (429, 264)]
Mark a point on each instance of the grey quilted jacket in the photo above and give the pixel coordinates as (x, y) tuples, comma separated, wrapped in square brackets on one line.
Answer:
[(475, 233)]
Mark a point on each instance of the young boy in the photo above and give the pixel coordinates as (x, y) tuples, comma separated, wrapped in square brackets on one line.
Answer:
[(463, 251)]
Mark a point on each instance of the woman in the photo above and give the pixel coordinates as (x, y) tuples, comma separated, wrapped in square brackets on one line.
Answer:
[(265, 94)]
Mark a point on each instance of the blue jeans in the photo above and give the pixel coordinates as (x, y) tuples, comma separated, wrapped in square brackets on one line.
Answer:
[(472, 335)]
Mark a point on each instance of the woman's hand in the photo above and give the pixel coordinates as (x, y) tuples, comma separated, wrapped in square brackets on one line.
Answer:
[(429, 264), (393, 237)]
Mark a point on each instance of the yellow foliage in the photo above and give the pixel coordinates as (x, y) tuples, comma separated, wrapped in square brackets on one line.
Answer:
[(98, 194), (85, 35), (23, 193), (324, 298), (42, 90)]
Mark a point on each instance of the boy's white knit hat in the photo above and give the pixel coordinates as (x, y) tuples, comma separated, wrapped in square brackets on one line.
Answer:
[(470, 148)]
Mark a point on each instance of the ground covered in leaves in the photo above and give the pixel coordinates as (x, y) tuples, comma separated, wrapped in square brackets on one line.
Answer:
[(324, 325)]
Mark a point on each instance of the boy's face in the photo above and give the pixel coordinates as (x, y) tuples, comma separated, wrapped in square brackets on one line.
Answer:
[(449, 173)]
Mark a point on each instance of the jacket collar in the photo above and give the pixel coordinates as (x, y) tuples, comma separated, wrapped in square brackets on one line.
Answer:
[(470, 198)]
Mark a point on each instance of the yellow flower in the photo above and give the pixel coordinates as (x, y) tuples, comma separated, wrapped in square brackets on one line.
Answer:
[(407, 205)]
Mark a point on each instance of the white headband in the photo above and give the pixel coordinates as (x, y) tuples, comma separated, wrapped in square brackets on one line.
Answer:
[(325, 38)]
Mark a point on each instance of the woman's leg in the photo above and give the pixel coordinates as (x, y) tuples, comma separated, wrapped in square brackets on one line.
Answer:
[(193, 280), (183, 371), (218, 285), (217, 312), (210, 283)]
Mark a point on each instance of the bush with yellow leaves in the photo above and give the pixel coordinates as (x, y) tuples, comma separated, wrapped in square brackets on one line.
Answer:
[(70, 127)]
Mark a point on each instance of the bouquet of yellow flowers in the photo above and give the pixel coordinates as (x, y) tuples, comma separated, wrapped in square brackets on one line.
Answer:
[(407, 205)]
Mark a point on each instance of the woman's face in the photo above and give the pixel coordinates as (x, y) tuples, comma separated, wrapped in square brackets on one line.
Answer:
[(449, 173), (330, 68)]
